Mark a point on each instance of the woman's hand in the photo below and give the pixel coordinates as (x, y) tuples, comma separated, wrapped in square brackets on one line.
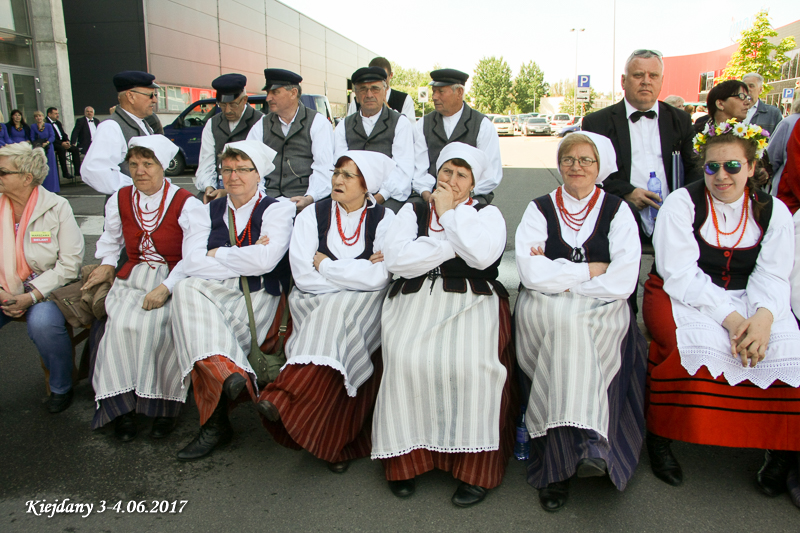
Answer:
[(15, 306), (212, 253), (443, 198), (101, 274), (597, 269), (319, 257), (156, 298), (537, 251), (263, 240), (749, 341), (377, 257)]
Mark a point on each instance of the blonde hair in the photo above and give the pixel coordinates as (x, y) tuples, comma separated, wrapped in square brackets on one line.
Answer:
[(28, 160), (37, 112)]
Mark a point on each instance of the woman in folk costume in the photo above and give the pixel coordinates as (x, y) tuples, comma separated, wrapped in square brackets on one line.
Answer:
[(578, 256), (323, 398), (136, 370), (725, 356), (211, 326), (446, 399)]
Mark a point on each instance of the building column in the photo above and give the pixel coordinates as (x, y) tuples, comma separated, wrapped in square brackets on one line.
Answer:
[(52, 61)]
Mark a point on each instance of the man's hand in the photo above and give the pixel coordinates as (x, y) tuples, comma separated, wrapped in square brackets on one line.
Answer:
[(66, 144), (597, 269), (377, 257), (642, 198), (379, 198), (212, 194), (302, 201), (319, 257), (443, 198), (101, 274), (426, 195), (156, 298)]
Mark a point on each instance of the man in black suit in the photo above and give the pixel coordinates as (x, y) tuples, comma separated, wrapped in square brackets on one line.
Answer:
[(62, 145), (84, 130), (646, 134)]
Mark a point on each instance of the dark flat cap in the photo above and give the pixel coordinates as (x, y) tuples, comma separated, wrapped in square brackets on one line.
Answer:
[(278, 77), (129, 79), (229, 87), (367, 74), (448, 76)]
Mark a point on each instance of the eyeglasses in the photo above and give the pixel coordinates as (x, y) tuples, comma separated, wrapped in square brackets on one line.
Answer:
[(742, 96), (731, 167), (239, 171), (4, 173), (646, 52), (150, 96), (374, 89), (345, 174), (582, 161)]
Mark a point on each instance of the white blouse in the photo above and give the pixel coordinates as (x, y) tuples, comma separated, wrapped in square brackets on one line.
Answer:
[(346, 272), (553, 276)]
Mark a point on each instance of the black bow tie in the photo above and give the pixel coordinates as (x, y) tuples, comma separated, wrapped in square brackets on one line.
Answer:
[(636, 115)]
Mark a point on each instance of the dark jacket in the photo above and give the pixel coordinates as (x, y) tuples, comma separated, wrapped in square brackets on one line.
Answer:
[(767, 116), (81, 135), (61, 134)]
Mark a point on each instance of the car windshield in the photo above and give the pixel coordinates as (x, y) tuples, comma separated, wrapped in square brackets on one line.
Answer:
[(537, 121), (502, 119), (561, 117)]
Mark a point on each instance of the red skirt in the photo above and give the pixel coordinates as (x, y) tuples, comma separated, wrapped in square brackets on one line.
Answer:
[(705, 410), (317, 414), (485, 469)]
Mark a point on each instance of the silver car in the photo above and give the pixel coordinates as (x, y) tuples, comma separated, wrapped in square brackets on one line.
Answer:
[(536, 126)]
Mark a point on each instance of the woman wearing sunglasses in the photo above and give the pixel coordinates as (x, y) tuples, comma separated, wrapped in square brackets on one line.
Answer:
[(730, 99), (725, 357)]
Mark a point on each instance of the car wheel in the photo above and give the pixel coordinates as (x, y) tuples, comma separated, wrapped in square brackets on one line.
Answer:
[(176, 166)]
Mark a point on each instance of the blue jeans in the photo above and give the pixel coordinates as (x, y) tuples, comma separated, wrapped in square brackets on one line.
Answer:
[(47, 331)]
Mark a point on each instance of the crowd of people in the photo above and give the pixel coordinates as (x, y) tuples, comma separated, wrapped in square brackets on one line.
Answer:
[(345, 282)]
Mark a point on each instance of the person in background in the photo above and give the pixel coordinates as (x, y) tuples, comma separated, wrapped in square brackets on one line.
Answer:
[(727, 100), (62, 145), (699, 113), (675, 101), (760, 113), (84, 130), (42, 134), (18, 129), (397, 100), (777, 149), (4, 140)]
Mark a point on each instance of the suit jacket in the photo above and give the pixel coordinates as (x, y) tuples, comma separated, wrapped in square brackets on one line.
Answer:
[(767, 116), (81, 134), (63, 137), (675, 130)]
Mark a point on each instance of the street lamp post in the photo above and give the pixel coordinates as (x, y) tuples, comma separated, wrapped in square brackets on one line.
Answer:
[(575, 90)]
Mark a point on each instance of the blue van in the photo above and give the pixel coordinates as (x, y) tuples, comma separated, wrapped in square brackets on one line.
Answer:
[(187, 130)]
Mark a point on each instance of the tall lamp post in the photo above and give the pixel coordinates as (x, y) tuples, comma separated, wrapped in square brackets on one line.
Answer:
[(575, 90)]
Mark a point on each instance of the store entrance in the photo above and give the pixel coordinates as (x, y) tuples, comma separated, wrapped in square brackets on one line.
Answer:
[(18, 90)]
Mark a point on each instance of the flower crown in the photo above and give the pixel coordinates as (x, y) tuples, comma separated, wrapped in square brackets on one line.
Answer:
[(751, 132)]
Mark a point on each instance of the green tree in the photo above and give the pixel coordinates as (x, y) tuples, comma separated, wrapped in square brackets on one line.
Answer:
[(757, 54), (408, 80), (529, 88), (491, 86), (566, 105)]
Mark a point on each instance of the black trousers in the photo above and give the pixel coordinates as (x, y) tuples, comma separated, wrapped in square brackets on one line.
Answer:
[(61, 153)]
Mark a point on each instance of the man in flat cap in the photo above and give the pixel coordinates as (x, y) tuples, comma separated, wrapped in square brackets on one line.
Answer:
[(231, 124), (397, 100), (104, 168), (454, 121), (302, 138), (376, 128)]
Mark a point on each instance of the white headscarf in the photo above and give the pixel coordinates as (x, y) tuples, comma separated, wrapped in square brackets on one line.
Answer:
[(607, 157), (374, 166), (164, 149), (475, 157), (259, 153)]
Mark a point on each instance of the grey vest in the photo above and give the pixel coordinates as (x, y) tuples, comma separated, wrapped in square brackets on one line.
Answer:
[(223, 135), (294, 158), (466, 131), (381, 138), (129, 129)]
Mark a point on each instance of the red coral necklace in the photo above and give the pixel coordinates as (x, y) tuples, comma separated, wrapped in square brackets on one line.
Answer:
[(575, 220), (743, 218), (246, 232)]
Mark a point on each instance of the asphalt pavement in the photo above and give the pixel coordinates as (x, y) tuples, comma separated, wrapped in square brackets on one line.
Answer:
[(255, 484)]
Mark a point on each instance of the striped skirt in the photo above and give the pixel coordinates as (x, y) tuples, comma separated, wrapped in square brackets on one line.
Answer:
[(703, 409)]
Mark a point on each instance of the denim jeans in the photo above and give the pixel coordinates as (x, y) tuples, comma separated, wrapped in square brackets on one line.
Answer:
[(47, 331)]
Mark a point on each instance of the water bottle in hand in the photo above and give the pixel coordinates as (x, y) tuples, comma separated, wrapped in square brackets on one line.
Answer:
[(522, 447), (654, 185)]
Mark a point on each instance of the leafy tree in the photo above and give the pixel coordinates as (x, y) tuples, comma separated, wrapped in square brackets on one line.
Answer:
[(569, 98), (491, 87), (757, 54), (408, 80), (529, 88)]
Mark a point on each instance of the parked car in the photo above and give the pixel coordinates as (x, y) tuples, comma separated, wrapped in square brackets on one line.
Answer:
[(571, 128), (521, 119), (560, 120), (503, 125), (536, 126), (187, 130)]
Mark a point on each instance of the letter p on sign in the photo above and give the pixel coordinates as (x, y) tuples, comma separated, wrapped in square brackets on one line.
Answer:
[(583, 81)]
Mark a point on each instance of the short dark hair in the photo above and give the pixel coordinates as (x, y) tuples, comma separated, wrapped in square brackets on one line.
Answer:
[(49, 109), (461, 163), (383, 63), (723, 91), (234, 153), (143, 152)]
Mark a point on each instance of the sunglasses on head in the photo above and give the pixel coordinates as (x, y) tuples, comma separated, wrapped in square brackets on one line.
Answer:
[(731, 167), (646, 52)]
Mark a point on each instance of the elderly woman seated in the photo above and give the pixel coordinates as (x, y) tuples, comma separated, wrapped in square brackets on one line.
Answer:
[(42, 250), (211, 326), (325, 394), (578, 258), (136, 370), (446, 398)]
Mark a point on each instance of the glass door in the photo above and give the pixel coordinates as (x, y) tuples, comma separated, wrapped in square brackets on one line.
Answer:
[(19, 91)]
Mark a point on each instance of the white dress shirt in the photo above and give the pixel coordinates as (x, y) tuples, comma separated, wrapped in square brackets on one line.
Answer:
[(552, 276), (59, 133), (752, 111), (319, 183), (112, 241), (92, 128), (407, 111), (346, 272), (646, 157), (488, 141), (398, 184), (206, 174)]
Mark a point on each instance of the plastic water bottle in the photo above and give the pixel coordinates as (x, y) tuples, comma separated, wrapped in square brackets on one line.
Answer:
[(522, 448), (654, 185)]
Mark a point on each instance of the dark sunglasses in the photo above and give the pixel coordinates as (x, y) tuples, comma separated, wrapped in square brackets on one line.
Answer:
[(646, 52), (741, 96), (150, 96), (731, 167)]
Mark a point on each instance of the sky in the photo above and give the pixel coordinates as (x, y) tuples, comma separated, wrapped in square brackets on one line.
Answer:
[(457, 34)]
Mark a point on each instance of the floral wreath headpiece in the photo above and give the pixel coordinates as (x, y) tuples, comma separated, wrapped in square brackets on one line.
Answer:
[(751, 132)]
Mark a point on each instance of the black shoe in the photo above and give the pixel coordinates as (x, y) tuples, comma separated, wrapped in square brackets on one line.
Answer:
[(467, 495), (125, 427), (234, 385), (339, 468), (59, 402), (554, 496), (771, 478), (403, 488), (662, 462), (69, 177), (163, 426), (217, 431), (591, 467), (268, 409)]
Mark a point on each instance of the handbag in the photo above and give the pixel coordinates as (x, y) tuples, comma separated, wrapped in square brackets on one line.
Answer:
[(81, 307)]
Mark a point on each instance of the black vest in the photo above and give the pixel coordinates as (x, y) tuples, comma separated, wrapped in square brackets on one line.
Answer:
[(220, 237), (381, 138), (595, 248), (223, 135), (466, 131), (455, 272), (294, 158), (372, 219), (130, 129)]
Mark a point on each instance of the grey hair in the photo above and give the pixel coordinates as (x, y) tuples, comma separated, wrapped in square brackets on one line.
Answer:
[(28, 160), (755, 75), (299, 89), (645, 55), (674, 100), (796, 106)]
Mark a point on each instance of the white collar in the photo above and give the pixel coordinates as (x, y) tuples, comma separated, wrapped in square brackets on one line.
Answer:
[(735, 205), (456, 115), (575, 200), (630, 110), (249, 205), (373, 118), (291, 121)]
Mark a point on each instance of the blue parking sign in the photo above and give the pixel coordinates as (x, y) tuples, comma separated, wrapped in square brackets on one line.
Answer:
[(583, 81), (788, 93)]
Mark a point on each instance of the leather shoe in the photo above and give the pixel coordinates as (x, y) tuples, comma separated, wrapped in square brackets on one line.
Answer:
[(209, 438), (268, 409), (125, 427), (59, 402), (162, 426), (467, 495), (339, 468), (771, 478), (403, 488), (554, 496), (234, 385), (662, 462), (591, 467)]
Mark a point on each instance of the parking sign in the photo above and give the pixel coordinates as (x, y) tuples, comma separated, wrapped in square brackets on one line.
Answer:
[(583, 81), (787, 96)]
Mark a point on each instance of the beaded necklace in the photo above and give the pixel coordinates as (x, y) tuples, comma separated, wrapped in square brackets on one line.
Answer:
[(575, 221), (743, 218), (246, 232), (432, 213), (350, 241), (148, 222)]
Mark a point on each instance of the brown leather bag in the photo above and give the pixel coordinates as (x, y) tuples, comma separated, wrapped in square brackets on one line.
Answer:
[(81, 307)]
